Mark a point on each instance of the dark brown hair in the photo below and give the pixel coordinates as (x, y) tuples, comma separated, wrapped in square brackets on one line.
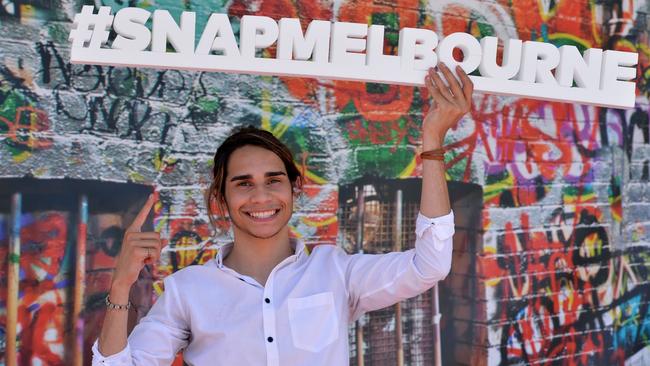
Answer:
[(242, 136)]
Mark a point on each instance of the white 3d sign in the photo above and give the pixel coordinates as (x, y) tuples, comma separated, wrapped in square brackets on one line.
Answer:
[(351, 51)]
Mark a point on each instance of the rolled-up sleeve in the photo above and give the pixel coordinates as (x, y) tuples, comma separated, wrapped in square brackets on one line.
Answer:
[(121, 358), (433, 245), (158, 336), (375, 281)]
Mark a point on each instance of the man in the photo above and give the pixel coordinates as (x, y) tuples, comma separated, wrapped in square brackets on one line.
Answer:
[(263, 300)]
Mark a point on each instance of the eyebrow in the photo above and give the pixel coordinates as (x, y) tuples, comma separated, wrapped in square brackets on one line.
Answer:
[(248, 176)]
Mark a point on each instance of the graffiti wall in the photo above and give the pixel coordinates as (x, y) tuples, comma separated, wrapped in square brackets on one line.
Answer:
[(561, 274)]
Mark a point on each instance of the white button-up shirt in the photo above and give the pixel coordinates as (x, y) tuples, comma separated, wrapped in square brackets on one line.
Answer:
[(217, 316)]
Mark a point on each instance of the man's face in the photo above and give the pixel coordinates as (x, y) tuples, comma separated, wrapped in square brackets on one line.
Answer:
[(258, 193)]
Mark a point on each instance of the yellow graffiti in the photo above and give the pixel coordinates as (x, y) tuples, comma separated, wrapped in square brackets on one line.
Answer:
[(546, 11), (282, 126), (408, 171), (495, 189), (160, 162), (594, 26), (319, 223), (562, 36)]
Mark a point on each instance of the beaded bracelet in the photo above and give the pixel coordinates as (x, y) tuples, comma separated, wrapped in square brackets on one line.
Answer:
[(436, 154), (110, 305)]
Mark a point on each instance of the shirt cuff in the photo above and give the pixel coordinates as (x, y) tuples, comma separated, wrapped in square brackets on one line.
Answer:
[(121, 358), (442, 227)]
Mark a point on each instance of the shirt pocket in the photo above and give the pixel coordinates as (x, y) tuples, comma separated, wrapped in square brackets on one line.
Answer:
[(314, 322)]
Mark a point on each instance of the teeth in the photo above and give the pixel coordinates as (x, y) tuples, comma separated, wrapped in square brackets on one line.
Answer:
[(262, 214)]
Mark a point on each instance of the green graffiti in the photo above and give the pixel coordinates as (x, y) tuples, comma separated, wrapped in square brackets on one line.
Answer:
[(14, 258), (19, 119)]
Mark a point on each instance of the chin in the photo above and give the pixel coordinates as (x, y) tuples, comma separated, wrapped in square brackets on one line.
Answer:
[(266, 233)]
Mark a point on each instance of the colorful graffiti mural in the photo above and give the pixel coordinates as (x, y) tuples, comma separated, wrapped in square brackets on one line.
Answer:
[(43, 287), (561, 274), (571, 296)]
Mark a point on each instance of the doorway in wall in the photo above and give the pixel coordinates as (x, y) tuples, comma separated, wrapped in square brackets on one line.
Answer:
[(377, 215), (49, 230)]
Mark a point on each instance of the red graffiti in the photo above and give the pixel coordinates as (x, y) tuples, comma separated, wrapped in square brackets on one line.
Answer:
[(27, 129), (42, 295)]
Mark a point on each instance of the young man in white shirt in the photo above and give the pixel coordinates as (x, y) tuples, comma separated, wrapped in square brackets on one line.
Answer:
[(263, 300)]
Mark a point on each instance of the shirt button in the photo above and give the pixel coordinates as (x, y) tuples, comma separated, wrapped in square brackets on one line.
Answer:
[(270, 339), (267, 300)]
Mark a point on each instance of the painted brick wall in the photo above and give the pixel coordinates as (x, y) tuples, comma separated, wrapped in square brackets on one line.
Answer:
[(562, 271)]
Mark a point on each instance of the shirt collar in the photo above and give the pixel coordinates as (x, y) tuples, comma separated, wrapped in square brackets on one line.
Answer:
[(297, 245)]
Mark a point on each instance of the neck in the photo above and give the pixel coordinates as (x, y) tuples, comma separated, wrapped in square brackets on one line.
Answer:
[(256, 257)]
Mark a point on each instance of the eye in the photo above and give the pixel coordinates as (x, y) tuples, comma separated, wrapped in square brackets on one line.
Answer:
[(274, 180), (244, 184)]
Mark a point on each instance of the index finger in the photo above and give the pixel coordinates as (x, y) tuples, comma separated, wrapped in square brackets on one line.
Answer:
[(142, 215)]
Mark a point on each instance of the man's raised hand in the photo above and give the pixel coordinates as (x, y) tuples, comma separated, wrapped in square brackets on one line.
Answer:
[(138, 248), (451, 100)]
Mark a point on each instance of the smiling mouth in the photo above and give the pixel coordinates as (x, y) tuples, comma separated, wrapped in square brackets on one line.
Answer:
[(263, 215)]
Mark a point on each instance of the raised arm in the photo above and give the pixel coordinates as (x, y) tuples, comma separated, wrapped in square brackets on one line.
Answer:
[(160, 334), (450, 103), (137, 249), (377, 281)]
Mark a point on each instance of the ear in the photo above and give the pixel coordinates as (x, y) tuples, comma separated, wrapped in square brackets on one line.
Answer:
[(296, 188)]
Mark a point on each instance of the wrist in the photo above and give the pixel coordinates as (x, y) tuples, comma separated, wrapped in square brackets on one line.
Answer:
[(119, 292), (430, 142), (113, 304)]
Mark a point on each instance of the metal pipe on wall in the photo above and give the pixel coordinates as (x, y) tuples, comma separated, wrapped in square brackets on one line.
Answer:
[(80, 277), (397, 247), (435, 319), (360, 217), (13, 281)]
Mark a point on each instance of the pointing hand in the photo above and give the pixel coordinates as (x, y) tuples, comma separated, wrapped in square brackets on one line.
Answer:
[(138, 248)]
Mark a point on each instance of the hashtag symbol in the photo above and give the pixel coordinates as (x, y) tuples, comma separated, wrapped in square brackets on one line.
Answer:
[(91, 28)]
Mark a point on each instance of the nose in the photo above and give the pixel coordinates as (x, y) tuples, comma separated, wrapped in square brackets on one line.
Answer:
[(260, 194)]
